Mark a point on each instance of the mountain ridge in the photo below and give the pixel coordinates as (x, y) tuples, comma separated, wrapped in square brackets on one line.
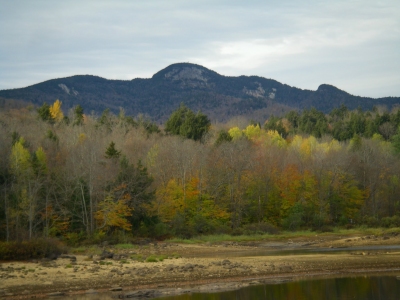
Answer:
[(221, 97)]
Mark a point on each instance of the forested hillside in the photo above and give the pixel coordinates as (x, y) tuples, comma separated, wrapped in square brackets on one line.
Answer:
[(79, 176), (220, 97)]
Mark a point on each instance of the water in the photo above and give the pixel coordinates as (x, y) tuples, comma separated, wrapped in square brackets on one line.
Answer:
[(365, 288), (383, 287), (301, 251)]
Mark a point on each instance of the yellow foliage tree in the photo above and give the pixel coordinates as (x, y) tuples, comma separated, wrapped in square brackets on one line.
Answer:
[(113, 212), (274, 138), (252, 132), (20, 160), (235, 133), (170, 201), (56, 112)]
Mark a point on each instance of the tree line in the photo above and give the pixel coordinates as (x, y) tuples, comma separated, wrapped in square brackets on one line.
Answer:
[(80, 176)]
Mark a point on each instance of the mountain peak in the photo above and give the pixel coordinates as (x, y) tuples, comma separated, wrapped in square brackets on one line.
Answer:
[(220, 97), (187, 74)]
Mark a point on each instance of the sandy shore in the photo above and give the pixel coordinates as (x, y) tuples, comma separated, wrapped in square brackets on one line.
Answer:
[(196, 268)]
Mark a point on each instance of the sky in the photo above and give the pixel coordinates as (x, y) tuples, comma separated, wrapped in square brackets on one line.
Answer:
[(351, 44)]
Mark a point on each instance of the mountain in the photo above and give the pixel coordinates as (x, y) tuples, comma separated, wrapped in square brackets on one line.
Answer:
[(220, 97)]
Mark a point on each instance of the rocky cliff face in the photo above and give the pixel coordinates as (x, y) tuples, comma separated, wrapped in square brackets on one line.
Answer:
[(188, 76)]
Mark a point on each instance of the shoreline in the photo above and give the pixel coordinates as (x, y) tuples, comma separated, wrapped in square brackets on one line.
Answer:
[(201, 268)]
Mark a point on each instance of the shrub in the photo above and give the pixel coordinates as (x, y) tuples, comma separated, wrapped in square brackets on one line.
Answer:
[(162, 257), (237, 231), (37, 248), (294, 219), (125, 246), (390, 222), (181, 229), (73, 238), (326, 228), (223, 229), (202, 225), (371, 221), (161, 231), (98, 237), (137, 257), (260, 228), (151, 259), (175, 255)]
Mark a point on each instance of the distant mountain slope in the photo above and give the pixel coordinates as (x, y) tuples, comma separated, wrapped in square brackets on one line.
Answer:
[(220, 97)]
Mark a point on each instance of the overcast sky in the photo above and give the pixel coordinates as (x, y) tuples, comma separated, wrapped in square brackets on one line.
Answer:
[(353, 45)]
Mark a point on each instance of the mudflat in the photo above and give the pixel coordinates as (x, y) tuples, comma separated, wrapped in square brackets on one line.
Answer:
[(198, 267)]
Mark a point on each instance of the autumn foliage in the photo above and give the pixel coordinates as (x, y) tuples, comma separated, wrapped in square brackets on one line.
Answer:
[(74, 176)]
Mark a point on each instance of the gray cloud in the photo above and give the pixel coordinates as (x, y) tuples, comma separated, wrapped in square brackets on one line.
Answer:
[(350, 44)]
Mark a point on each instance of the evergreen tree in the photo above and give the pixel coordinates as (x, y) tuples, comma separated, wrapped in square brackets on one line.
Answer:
[(44, 112), (185, 123), (396, 142), (223, 136), (78, 113), (112, 152)]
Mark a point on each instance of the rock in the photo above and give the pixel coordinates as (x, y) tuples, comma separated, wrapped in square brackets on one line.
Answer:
[(106, 254), (169, 268), (56, 294), (187, 267), (8, 294), (225, 262), (285, 268), (142, 294), (116, 289)]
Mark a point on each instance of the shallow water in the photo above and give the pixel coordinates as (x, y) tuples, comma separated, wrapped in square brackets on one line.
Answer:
[(365, 288), (369, 287), (300, 251)]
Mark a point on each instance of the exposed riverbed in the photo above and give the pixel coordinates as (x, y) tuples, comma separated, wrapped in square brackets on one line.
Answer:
[(210, 267)]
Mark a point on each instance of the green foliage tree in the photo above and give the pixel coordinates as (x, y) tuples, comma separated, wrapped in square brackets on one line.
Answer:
[(396, 142), (44, 112), (186, 123), (106, 120), (275, 123), (223, 136), (58, 182), (135, 183), (112, 152), (78, 115)]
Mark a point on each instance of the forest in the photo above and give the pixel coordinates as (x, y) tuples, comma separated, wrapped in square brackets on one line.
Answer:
[(80, 177)]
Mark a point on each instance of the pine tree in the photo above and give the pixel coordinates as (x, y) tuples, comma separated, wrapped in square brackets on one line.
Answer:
[(44, 112), (112, 152), (186, 123), (78, 112)]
